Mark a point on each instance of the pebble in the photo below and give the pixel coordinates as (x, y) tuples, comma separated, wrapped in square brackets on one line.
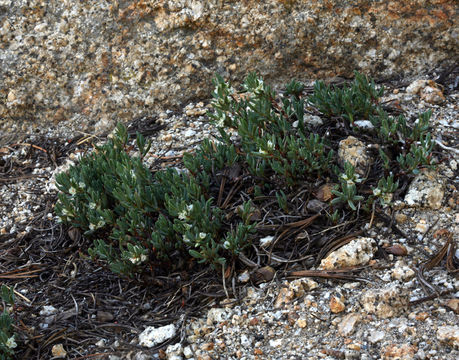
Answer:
[(449, 335), (152, 336), (58, 351), (426, 190), (357, 252), (348, 323), (354, 151), (385, 302)]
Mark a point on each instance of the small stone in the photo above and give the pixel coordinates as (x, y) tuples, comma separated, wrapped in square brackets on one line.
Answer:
[(207, 346), (402, 272), (316, 206), (364, 124), (397, 250), (313, 120), (275, 343), (386, 302), (300, 286), (257, 351), (421, 226), (189, 133), (400, 218), (422, 316), (376, 336), (188, 352), (432, 95), (426, 190), (48, 310), (336, 305), (395, 351), (167, 137), (449, 334), (285, 296), (152, 336), (347, 325), (354, 151), (415, 87), (104, 316), (216, 315), (100, 343), (453, 304), (174, 352), (357, 252), (58, 351), (264, 274), (246, 341), (104, 125), (302, 323), (244, 277)]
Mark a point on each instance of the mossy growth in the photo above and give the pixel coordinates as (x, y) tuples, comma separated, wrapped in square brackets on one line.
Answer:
[(266, 157)]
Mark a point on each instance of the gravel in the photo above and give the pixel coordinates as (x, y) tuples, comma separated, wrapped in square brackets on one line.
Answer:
[(381, 317)]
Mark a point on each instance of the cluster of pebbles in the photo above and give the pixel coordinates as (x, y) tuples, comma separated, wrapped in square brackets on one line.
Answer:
[(384, 316)]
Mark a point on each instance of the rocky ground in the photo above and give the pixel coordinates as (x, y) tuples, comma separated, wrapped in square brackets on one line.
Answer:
[(395, 304)]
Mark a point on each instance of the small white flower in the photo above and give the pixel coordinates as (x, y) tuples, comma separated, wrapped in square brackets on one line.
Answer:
[(186, 240), (81, 184), (92, 205), (262, 152), (10, 343), (72, 191), (259, 89), (92, 227), (344, 177), (65, 212), (350, 182), (226, 244), (221, 120), (270, 144), (183, 215), (135, 260), (133, 173), (377, 192), (202, 235), (100, 223)]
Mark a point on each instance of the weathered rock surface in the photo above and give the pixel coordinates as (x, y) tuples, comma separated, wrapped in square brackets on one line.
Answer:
[(77, 64)]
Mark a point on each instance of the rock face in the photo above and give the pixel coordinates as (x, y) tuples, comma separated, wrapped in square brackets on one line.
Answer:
[(66, 62)]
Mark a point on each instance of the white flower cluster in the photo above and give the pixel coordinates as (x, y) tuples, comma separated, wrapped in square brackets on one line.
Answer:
[(11, 343), (187, 240), (269, 145), (99, 224), (138, 259), (351, 181), (185, 213)]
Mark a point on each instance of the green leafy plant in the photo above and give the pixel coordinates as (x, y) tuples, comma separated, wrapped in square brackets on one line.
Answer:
[(357, 101), (347, 193), (136, 218), (7, 336), (265, 150)]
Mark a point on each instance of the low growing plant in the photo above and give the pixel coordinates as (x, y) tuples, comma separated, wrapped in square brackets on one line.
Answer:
[(266, 149), (7, 336)]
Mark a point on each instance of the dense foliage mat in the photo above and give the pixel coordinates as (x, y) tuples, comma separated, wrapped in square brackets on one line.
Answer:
[(270, 174)]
